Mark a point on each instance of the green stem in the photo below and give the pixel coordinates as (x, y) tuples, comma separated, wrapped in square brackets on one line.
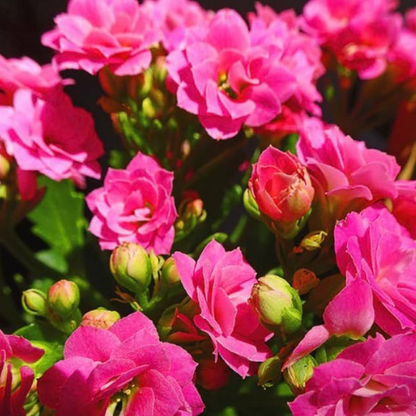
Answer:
[(239, 229)]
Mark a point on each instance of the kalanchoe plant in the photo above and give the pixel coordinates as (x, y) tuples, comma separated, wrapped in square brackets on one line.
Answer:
[(243, 253)]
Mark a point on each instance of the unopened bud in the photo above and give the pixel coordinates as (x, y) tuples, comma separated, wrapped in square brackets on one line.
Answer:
[(270, 372), (131, 267), (34, 302), (334, 346), (313, 241), (213, 375), (191, 214), (299, 373), (170, 273), (304, 281), (277, 304), (100, 318), (63, 298), (250, 205), (4, 165)]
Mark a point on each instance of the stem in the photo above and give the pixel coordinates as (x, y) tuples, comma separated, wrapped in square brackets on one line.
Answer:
[(239, 229)]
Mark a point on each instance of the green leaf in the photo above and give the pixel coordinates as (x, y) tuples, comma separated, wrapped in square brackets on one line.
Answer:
[(59, 221)]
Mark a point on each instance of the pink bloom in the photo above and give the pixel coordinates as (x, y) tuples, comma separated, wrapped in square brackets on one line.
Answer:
[(404, 206), (16, 379), (281, 186), (135, 205), (125, 365), (51, 136), (228, 78), (411, 19), (345, 174), (358, 33), (25, 73), (374, 248), (376, 377), (220, 284), (106, 33), (174, 18)]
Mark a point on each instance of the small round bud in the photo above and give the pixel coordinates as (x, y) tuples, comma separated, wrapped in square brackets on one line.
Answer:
[(131, 267), (299, 373), (313, 241), (212, 375), (270, 372), (170, 273), (100, 318), (63, 298), (304, 281), (277, 304), (250, 205), (34, 302)]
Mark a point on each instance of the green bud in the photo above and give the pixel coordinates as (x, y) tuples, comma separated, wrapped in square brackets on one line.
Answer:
[(334, 346), (277, 304), (34, 302), (313, 240), (299, 373), (131, 267), (170, 273), (270, 372), (250, 205), (191, 214), (100, 318), (63, 298)]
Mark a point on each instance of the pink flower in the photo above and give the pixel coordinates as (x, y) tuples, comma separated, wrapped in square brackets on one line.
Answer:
[(135, 205), (374, 248), (411, 19), (16, 379), (106, 33), (25, 73), (404, 206), (124, 367), (358, 33), (345, 174), (374, 377), (228, 78), (281, 186), (51, 136), (174, 18), (220, 284)]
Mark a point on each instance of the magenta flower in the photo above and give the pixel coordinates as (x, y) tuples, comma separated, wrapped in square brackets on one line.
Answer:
[(125, 367), (404, 206), (345, 174), (374, 248), (376, 377), (281, 186), (97, 34), (26, 73), (16, 378), (228, 78), (51, 136), (220, 284), (135, 205)]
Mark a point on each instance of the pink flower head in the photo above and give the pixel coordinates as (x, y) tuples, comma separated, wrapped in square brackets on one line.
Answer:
[(281, 186), (16, 378), (174, 18), (96, 34), (25, 73), (124, 367), (377, 377), (135, 205), (228, 78), (345, 174), (358, 33), (404, 206), (411, 19), (220, 284), (51, 136), (374, 248)]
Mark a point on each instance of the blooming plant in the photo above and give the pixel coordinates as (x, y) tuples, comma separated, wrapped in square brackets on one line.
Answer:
[(246, 245)]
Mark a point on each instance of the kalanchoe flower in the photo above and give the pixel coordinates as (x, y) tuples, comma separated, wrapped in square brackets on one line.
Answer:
[(374, 377), (219, 284), (97, 34), (404, 206), (282, 188), (51, 136), (121, 370), (229, 79), (63, 298), (16, 378), (135, 205)]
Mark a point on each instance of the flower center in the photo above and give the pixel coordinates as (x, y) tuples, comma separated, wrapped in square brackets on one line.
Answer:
[(224, 85), (120, 400)]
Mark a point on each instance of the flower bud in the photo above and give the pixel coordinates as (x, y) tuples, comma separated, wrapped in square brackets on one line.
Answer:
[(212, 375), (170, 273), (250, 205), (4, 164), (63, 298), (277, 304), (269, 372), (334, 346), (34, 302), (313, 240), (304, 281), (191, 214), (100, 318), (299, 373), (131, 267)]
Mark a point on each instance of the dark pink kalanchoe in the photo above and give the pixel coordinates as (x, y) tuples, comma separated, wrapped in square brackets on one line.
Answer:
[(125, 367), (228, 78), (135, 205), (220, 284), (16, 378), (376, 377), (51, 136), (106, 33)]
